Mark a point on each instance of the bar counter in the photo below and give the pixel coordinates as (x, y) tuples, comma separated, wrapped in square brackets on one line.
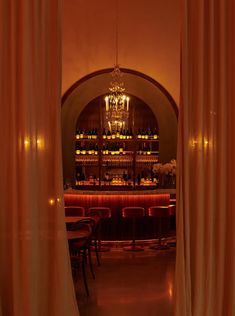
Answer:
[(121, 191), (118, 228)]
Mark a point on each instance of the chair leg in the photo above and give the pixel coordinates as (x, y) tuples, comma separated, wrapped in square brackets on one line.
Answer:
[(84, 272), (97, 252), (75, 267), (90, 262)]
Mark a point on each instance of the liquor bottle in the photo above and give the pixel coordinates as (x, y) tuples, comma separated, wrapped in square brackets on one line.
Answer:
[(81, 134), (83, 150), (96, 149), (148, 150), (139, 134), (124, 134), (89, 149), (121, 148), (118, 134), (131, 133), (109, 135), (104, 150), (113, 136), (93, 133), (88, 133), (155, 135), (144, 149), (77, 134), (143, 134), (140, 150), (146, 136), (104, 134), (117, 149), (92, 149), (96, 133), (121, 134), (78, 150)]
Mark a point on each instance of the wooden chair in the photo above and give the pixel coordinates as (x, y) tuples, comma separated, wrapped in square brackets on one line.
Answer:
[(80, 248)]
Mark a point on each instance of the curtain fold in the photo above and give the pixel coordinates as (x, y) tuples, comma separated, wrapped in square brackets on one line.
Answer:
[(35, 274), (205, 264)]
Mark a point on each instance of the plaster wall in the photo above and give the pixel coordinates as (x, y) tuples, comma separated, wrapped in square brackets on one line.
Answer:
[(148, 38)]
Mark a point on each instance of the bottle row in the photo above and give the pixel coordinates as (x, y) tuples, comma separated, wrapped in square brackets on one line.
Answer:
[(87, 134), (90, 149), (117, 180), (122, 134), (148, 133), (117, 148)]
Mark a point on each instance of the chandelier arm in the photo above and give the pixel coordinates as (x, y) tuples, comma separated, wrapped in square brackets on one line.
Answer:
[(116, 33)]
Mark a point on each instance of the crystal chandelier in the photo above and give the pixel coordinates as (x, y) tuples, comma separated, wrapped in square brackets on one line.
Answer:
[(117, 103)]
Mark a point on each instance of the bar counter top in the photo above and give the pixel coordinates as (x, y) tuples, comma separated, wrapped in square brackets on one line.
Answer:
[(118, 228), (127, 191)]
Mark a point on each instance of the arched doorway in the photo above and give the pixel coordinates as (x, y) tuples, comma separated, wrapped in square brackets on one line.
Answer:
[(137, 84)]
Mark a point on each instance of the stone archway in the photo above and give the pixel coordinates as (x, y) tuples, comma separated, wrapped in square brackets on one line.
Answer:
[(137, 84)]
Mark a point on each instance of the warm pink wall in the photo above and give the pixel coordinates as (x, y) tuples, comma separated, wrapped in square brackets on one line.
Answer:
[(149, 39)]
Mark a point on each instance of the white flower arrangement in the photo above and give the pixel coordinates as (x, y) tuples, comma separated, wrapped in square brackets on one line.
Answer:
[(168, 168)]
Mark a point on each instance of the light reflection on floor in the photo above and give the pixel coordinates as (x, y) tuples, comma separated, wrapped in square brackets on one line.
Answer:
[(130, 284)]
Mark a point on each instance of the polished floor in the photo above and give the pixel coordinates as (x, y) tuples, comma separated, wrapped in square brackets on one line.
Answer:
[(130, 284)]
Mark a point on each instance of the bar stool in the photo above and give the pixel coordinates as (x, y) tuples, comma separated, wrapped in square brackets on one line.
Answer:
[(74, 211), (133, 212), (158, 213), (103, 213), (172, 210)]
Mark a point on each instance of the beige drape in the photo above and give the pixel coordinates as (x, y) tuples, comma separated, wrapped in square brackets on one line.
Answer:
[(35, 276), (205, 270)]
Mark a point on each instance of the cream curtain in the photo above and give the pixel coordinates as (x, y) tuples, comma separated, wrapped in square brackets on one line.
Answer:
[(35, 276), (205, 268)]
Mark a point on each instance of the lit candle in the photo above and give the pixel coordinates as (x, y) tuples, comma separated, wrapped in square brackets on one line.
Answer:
[(107, 103), (127, 103)]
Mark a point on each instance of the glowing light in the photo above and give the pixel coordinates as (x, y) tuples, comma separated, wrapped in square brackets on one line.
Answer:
[(40, 143), (170, 290), (51, 202), (26, 143), (194, 143), (59, 200), (199, 143)]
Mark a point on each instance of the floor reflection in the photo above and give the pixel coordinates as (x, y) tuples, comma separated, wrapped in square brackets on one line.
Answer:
[(130, 284)]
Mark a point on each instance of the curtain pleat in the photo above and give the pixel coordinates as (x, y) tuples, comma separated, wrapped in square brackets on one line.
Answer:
[(35, 273), (205, 265)]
